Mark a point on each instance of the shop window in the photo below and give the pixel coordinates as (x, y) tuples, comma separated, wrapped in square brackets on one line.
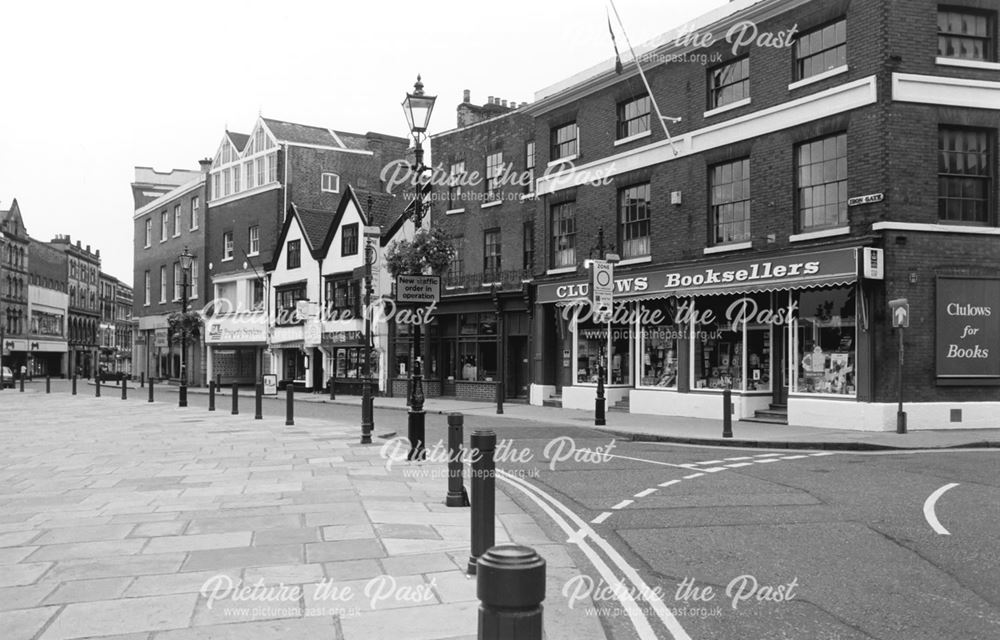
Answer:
[(349, 362), (824, 342), (613, 343), (659, 339), (730, 348), (477, 347)]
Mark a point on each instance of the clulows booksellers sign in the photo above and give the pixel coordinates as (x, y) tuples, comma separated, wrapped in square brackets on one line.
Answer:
[(968, 329), (836, 266)]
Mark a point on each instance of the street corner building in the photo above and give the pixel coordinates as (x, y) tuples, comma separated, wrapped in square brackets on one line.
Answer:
[(793, 187)]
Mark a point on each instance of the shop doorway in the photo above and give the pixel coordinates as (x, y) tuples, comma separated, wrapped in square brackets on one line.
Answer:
[(780, 360), (316, 362), (517, 367)]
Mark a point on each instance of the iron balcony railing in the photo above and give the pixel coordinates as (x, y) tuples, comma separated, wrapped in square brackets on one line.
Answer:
[(483, 281)]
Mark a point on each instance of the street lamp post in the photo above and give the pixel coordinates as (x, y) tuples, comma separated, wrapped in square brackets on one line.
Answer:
[(417, 107), (186, 259), (600, 407), (367, 402)]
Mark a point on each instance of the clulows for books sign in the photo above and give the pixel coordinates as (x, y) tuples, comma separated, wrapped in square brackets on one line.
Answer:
[(968, 328)]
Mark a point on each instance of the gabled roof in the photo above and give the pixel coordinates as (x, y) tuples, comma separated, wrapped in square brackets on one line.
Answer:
[(301, 133), (375, 207), (397, 222), (239, 140), (312, 222)]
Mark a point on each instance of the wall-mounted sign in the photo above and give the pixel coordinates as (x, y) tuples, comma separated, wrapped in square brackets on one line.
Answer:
[(871, 198), (900, 311), (872, 263), (419, 289), (160, 339), (968, 327), (834, 266), (239, 329), (312, 333), (343, 338)]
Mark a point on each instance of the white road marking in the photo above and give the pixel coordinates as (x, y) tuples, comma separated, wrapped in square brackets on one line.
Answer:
[(668, 483), (693, 475), (645, 492), (739, 464), (622, 504), (619, 589), (766, 460), (711, 462), (638, 618), (714, 469), (664, 464), (601, 518), (929, 509), (768, 455), (740, 458), (823, 453), (792, 457)]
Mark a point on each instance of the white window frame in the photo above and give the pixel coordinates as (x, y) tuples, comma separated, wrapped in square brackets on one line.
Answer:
[(149, 233), (254, 235), (328, 178), (163, 284), (195, 208), (164, 226), (193, 275), (177, 220), (227, 246), (148, 292)]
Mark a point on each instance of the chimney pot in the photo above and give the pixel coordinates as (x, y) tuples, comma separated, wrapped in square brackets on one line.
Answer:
[(466, 96), (489, 100), (504, 102)]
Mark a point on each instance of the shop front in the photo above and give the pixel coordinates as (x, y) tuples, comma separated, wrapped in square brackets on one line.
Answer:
[(235, 348), (780, 332), (344, 350)]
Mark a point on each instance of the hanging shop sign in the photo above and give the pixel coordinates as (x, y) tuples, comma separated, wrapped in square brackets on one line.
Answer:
[(312, 333), (872, 263), (968, 328), (835, 266), (160, 339)]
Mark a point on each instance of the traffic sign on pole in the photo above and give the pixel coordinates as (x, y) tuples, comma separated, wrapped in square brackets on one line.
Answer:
[(603, 286), (900, 313)]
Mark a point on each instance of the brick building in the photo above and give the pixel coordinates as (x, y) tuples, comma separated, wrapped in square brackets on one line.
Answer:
[(48, 309), (254, 180), (14, 262), (169, 217), (83, 268), (844, 158), (480, 333)]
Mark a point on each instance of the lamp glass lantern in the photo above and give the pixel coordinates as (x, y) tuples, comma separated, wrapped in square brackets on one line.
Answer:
[(186, 259), (417, 107)]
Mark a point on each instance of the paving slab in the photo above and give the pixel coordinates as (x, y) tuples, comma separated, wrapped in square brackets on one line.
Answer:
[(24, 624), (129, 615)]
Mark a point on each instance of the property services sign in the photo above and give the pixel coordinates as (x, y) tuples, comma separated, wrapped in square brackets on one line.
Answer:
[(968, 327)]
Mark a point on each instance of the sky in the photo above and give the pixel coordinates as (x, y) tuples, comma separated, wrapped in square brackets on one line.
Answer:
[(94, 89)]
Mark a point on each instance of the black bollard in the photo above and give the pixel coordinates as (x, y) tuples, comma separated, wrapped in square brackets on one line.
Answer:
[(182, 394), (510, 585), (218, 381), (211, 395), (259, 402), (333, 389), (124, 390), (150, 389), (142, 379), (236, 400), (484, 497), (290, 405), (97, 387), (457, 497), (499, 399), (48, 384), (22, 383), (74, 385), (727, 413)]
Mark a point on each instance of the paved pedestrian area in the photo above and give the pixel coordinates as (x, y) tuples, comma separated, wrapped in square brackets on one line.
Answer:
[(145, 521)]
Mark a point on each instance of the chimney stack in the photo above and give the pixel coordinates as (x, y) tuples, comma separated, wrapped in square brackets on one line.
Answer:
[(466, 96), (504, 103), (206, 165)]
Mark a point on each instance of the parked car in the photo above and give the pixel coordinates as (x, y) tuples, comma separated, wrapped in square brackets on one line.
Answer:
[(6, 378)]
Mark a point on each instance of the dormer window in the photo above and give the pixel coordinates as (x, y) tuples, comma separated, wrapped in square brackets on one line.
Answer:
[(330, 183)]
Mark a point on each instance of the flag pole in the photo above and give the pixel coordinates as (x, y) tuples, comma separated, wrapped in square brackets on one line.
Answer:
[(645, 82)]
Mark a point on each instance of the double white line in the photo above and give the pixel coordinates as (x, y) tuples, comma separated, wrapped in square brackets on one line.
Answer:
[(578, 532)]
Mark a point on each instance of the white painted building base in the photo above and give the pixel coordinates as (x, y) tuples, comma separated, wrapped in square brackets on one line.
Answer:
[(693, 405), (582, 397), (539, 393), (870, 416)]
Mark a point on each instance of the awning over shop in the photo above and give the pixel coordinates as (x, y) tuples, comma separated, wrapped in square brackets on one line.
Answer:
[(773, 273)]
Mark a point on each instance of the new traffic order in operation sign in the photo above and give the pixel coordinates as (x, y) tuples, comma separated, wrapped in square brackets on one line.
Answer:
[(418, 289), (968, 327)]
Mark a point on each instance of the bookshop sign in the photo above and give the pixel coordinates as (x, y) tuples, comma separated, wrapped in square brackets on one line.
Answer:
[(818, 268), (967, 342)]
